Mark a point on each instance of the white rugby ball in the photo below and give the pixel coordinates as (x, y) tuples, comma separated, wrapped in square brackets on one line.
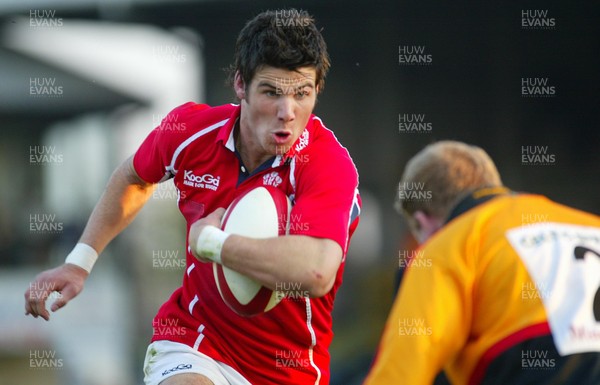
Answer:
[(262, 212)]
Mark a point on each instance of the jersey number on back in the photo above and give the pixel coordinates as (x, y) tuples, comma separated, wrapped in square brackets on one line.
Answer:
[(564, 263), (580, 252)]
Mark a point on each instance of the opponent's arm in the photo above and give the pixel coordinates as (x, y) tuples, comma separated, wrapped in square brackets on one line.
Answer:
[(430, 319), (309, 262), (124, 196)]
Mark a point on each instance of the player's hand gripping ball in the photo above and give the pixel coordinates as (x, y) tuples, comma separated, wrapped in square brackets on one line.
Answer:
[(262, 212)]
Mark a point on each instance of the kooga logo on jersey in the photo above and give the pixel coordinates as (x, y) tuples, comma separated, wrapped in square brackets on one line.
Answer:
[(206, 181)]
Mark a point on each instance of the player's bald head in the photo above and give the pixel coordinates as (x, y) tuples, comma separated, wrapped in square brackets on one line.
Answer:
[(445, 172)]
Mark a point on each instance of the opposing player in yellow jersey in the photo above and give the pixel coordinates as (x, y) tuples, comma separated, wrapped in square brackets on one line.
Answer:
[(506, 286)]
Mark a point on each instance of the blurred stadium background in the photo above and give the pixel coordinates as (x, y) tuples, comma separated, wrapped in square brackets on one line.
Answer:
[(82, 82)]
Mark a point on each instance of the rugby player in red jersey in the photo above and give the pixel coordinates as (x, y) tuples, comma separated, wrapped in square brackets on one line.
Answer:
[(270, 138)]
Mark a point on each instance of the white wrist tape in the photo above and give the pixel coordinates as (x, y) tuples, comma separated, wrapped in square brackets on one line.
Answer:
[(83, 256), (210, 243)]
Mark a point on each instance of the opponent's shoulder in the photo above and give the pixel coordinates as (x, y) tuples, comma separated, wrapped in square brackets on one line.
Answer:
[(533, 208), (488, 223), (519, 209), (487, 220)]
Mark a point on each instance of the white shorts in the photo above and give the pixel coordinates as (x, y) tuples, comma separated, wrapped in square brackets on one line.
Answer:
[(166, 358)]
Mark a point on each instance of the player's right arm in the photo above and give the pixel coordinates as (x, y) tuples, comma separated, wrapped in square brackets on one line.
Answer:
[(125, 194)]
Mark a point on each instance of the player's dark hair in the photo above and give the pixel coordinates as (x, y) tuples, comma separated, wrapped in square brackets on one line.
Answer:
[(285, 38)]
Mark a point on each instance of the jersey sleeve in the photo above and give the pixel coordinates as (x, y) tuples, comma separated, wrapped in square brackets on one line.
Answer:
[(429, 321), (152, 160), (327, 203)]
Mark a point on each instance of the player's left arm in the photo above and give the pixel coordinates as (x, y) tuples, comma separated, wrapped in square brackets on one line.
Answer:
[(326, 205), (299, 261)]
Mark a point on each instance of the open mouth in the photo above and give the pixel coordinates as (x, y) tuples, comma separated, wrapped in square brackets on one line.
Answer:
[(282, 136)]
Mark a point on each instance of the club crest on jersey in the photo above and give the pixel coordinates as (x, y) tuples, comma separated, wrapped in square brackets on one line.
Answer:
[(272, 179), (206, 181), (302, 141)]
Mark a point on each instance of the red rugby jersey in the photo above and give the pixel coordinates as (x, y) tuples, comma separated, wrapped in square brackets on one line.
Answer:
[(289, 344)]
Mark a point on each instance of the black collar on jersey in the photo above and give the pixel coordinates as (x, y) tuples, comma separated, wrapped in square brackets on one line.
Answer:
[(477, 197)]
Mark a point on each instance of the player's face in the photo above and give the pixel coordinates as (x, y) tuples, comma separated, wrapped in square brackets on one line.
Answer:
[(423, 226), (276, 106)]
